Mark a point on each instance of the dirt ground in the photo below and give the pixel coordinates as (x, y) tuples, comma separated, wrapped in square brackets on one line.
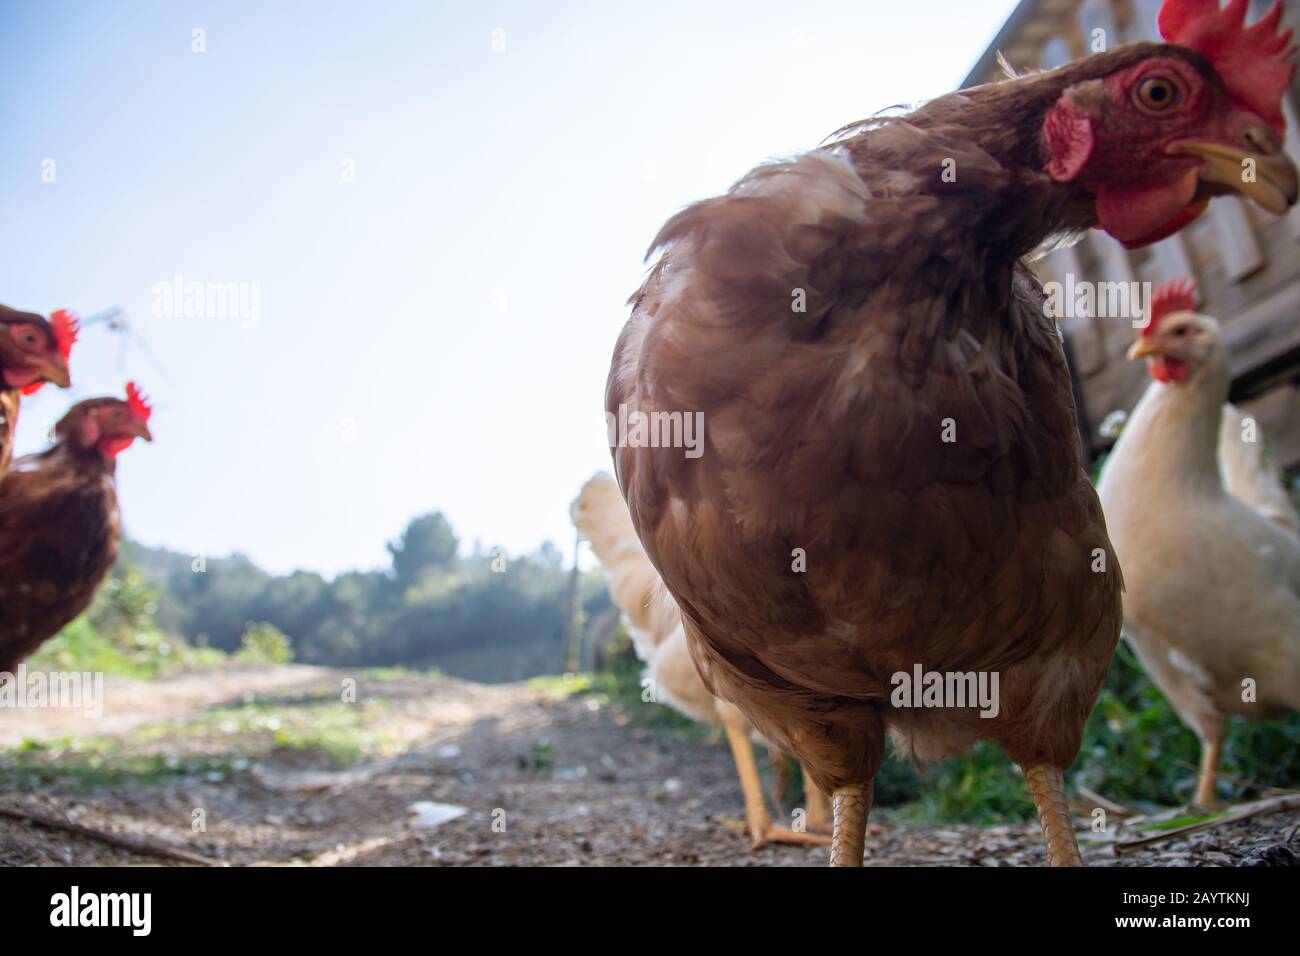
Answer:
[(437, 771)]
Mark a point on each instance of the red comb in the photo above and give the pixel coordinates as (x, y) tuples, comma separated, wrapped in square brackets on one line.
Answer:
[(65, 331), (1177, 295), (140, 406), (1253, 62)]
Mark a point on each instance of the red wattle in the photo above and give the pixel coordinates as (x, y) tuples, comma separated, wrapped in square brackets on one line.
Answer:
[(1167, 370), (114, 446), (1140, 215), (21, 378)]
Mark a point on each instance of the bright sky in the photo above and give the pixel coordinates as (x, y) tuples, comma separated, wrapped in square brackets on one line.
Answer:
[(435, 333)]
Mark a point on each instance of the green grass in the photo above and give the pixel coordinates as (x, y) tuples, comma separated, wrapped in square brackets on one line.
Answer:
[(81, 764), (320, 722), (560, 686), (144, 655), (223, 740), (620, 689), (383, 674), (1180, 821)]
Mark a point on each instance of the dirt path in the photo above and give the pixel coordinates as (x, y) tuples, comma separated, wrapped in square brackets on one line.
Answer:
[(537, 777), (129, 703)]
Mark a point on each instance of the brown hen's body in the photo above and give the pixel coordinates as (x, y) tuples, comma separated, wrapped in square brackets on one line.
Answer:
[(9, 402), (826, 432), (59, 531)]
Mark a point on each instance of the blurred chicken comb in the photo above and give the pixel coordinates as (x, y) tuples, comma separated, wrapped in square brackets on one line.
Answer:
[(66, 328), (1177, 295), (1253, 62), (140, 406)]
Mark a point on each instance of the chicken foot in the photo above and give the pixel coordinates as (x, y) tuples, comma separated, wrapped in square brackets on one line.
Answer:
[(1047, 786), (758, 819), (851, 806)]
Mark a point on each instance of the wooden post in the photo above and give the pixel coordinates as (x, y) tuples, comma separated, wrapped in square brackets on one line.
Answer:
[(572, 632)]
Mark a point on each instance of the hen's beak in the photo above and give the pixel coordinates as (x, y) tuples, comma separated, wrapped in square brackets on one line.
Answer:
[(1265, 174), (141, 430), (55, 369), (1143, 347)]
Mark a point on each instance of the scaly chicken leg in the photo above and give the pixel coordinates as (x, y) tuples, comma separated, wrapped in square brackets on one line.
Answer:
[(1209, 763), (852, 804), (1048, 789), (758, 820)]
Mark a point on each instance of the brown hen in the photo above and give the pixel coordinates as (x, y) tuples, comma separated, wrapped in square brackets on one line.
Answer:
[(59, 523), (891, 477)]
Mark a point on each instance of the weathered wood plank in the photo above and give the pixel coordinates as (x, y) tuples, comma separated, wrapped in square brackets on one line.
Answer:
[(1265, 330)]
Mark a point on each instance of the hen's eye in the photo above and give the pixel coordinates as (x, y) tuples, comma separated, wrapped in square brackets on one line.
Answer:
[(1157, 93), (1180, 332)]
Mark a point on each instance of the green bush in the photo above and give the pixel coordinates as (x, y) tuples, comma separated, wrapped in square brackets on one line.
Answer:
[(81, 647), (264, 643)]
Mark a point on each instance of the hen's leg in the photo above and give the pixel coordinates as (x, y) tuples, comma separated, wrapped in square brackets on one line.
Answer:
[(815, 803), (758, 821), (852, 804), (1209, 764), (1048, 789), (780, 765)]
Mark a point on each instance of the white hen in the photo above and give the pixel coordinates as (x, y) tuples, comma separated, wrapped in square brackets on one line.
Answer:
[(1212, 573)]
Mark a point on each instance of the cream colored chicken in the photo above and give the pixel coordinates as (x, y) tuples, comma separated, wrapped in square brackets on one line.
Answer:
[(1249, 473), (1205, 536), (655, 625)]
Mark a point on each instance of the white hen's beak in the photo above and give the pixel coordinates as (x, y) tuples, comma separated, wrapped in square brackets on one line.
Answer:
[(1143, 347)]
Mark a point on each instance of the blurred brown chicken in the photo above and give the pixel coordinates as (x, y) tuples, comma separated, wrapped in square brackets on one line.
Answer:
[(890, 479), (59, 524), (655, 626), (32, 352)]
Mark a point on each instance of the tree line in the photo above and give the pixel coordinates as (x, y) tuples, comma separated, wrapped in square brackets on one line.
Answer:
[(484, 616)]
